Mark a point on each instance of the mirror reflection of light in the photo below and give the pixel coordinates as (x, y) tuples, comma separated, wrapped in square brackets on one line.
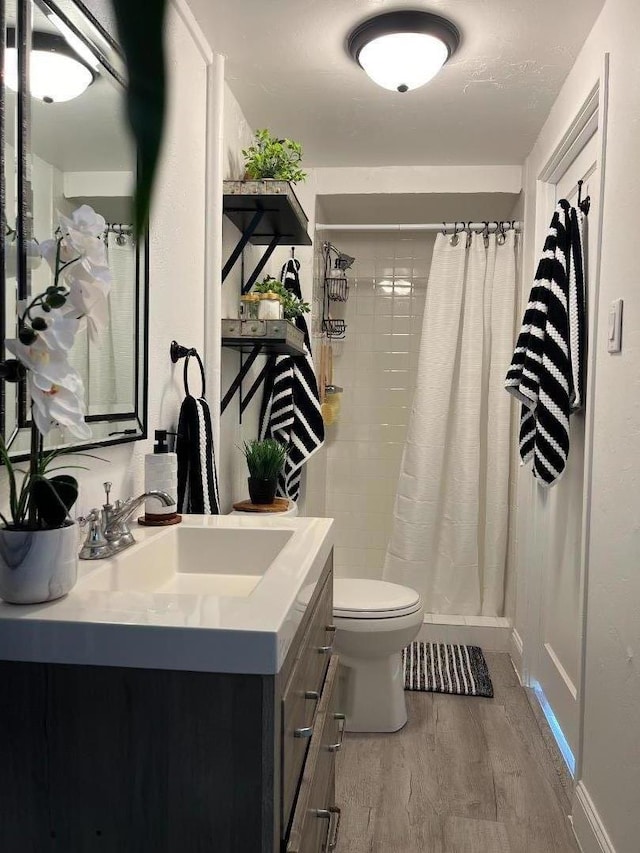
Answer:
[(399, 287), (53, 77), (74, 42)]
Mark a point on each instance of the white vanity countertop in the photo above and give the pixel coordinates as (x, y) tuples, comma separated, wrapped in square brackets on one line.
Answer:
[(176, 629)]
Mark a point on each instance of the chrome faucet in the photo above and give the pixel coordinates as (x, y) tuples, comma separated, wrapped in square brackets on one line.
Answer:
[(109, 531)]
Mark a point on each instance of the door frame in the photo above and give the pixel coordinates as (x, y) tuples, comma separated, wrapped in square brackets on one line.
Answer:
[(590, 118)]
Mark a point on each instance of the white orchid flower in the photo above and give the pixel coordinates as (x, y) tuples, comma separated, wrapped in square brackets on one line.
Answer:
[(42, 360), (78, 259), (84, 220), (56, 388), (81, 234), (48, 250), (60, 332), (88, 292), (57, 405)]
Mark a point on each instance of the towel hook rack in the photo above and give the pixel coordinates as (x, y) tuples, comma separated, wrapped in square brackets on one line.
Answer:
[(176, 352)]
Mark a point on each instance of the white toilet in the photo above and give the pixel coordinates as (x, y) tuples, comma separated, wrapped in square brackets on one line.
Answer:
[(374, 621)]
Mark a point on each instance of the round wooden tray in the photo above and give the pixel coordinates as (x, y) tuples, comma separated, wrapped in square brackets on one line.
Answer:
[(279, 505), (159, 521)]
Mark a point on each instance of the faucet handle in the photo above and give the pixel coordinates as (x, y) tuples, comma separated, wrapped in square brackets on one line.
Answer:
[(93, 516), (95, 546), (107, 492)]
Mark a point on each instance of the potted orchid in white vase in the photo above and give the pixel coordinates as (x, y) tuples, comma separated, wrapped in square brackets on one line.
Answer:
[(38, 537)]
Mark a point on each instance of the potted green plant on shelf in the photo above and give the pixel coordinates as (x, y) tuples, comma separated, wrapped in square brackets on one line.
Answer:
[(273, 158), (38, 538), (293, 307), (265, 460)]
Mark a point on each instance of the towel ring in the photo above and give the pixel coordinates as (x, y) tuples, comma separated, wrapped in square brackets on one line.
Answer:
[(185, 372), (177, 351)]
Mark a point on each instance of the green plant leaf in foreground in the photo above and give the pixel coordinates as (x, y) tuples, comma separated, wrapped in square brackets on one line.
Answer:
[(140, 31)]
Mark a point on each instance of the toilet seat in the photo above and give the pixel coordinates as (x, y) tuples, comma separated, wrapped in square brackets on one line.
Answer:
[(359, 598)]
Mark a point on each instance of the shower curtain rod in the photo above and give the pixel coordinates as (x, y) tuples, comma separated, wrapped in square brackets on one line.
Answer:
[(428, 226)]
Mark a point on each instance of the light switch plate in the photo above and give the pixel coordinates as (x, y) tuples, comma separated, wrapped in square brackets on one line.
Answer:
[(614, 336)]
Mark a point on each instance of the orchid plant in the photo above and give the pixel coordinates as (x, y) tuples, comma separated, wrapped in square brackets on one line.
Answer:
[(47, 326)]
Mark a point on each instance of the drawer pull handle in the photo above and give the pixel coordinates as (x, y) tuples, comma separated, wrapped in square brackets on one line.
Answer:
[(305, 731), (332, 815), (336, 747), (312, 694), (330, 629), (325, 650)]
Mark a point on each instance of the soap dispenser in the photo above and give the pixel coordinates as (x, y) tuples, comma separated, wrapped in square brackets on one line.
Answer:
[(161, 474)]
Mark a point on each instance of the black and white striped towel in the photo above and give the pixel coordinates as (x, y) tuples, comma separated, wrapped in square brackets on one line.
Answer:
[(547, 368), (291, 405), (197, 476)]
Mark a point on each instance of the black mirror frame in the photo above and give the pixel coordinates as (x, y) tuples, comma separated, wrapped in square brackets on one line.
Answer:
[(128, 426)]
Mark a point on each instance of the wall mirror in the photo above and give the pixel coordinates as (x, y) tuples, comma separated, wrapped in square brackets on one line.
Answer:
[(65, 143)]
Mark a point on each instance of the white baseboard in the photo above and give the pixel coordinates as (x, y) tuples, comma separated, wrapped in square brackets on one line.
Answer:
[(588, 828), (515, 650), (489, 632)]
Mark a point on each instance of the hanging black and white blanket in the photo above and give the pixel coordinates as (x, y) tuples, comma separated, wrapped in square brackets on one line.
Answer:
[(197, 476), (547, 369), (291, 404)]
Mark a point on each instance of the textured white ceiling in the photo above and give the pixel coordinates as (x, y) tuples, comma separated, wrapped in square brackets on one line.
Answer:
[(288, 68)]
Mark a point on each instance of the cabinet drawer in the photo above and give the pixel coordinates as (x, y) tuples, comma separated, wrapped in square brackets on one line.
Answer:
[(315, 821), (300, 700)]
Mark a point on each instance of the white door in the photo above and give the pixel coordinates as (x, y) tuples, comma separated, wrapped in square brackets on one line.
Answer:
[(558, 518)]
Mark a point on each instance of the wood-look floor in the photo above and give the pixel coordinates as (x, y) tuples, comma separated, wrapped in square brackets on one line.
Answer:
[(463, 776)]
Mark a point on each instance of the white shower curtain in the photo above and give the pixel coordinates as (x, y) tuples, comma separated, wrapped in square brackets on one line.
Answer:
[(107, 365), (451, 515)]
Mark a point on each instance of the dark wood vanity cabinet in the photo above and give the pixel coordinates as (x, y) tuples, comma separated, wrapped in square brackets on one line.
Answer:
[(121, 760)]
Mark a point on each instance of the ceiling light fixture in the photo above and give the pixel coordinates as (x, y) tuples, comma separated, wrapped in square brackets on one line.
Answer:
[(56, 72), (403, 50)]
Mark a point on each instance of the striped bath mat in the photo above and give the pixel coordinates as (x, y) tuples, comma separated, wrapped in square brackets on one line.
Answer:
[(446, 668)]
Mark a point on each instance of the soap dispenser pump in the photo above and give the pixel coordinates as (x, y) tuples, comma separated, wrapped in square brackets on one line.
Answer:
[(161, 474), (160, 437)]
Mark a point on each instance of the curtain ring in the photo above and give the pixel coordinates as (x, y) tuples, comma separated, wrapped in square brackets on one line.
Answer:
[(502, 237), (444, 228), (185, 372)]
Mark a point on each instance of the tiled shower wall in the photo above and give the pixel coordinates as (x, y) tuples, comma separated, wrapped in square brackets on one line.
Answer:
[(376, 364)]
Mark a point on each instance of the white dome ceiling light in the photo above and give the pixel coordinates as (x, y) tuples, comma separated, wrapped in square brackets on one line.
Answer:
[(56, 72), (403, 50)]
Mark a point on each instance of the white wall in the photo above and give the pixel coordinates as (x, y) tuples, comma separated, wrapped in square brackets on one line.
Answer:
[(177, 265), (231, 467), (610, 762)]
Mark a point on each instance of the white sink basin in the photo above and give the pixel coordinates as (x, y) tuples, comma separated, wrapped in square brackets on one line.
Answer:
[(213, 594), (193, 561)]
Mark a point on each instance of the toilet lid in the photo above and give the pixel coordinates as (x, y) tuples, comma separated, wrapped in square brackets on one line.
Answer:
[(358, 598)]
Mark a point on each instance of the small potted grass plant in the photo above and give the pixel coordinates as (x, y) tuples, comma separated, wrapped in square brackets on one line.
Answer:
[(265, 460)]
